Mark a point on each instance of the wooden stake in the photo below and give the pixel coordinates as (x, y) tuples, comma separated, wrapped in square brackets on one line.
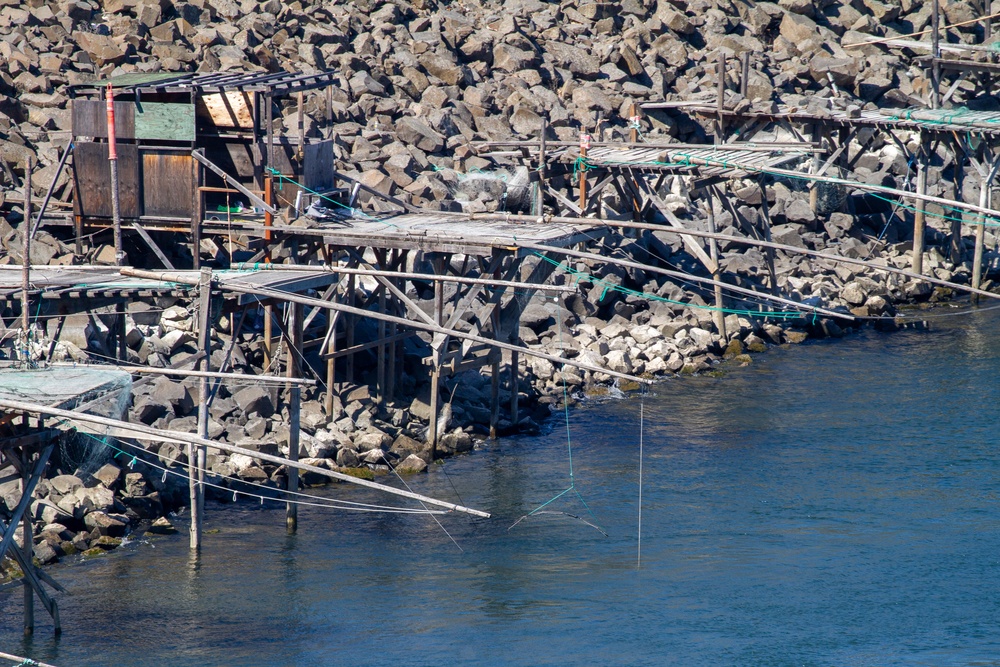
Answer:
[(919, 222), (935, 54), (582, 171), (27, 535), (294, 406), (196, 455), (977, 263), (26, 256), (713, 248)]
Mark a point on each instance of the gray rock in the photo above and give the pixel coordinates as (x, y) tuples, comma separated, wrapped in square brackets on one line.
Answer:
[(254, 400)]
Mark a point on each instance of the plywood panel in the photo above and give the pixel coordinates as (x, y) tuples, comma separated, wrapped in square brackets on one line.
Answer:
[(167, 184), (231, 109), (92, 180), (90, 119), (163, 121)]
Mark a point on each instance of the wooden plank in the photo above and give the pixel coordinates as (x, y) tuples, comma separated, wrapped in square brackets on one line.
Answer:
[(167, 183), (90, 119), (165, 121)]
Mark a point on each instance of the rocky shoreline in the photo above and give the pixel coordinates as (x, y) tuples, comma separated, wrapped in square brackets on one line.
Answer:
[(419, 82)]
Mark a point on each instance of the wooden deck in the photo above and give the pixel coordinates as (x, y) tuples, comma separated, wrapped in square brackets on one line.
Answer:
[(722, 160), (88, 287), (451, 232), (949, 120)]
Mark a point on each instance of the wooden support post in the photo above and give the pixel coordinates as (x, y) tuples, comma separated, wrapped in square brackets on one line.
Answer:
[(515, 362), (495, 370), (768, 252), (919, 222), (268, 309), (956, 248), (540, 183), (582, 171), (390, 381), (633, 123), (121, 347), (294, 408), (331, 362), (987, 78), (985, 189), (817, 137), (721, 98), (196, 454), (27, 534), (349, 327), (935, 54), (26, 258), (744, 72), (432, 432), (381, 351), (713, 248), (301, 152)]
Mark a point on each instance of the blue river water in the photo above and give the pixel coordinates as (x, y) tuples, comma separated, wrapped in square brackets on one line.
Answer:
[(834, 503)]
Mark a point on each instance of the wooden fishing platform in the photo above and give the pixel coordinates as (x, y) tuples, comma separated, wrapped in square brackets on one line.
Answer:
[(26, 444)]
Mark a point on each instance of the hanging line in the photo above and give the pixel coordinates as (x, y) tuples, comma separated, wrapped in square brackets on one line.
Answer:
[(638, 550), (569, 450)]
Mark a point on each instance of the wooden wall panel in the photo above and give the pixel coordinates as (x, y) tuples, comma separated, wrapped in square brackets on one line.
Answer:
[(92, 180), (90, 119), (164, 121), (167, 184)]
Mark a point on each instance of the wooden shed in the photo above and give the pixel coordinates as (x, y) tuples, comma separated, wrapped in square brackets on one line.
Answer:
[(182, 139)]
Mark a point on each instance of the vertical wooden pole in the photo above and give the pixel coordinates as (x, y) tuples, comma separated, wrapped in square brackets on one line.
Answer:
[(256, 151), (331, 362), (958, 175), (26, 256), (380, 359), (294, 407), (540, 183), (919, 222), (113, 160), (495, 370), (196, 455), (745, 73), (935, 54), (582, 171), (390, 381), (713, 248), (768, 252), (633, 124), (268, 308), (436, 367), (721, 98), (300, 152), (349, 327), (985, 189), (27, 545), (515, 362), (817, 137)]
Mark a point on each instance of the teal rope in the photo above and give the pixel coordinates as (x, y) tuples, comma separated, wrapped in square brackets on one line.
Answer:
[(582, 275)]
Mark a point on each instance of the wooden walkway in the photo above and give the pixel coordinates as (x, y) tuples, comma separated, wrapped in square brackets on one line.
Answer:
[(451, 233)]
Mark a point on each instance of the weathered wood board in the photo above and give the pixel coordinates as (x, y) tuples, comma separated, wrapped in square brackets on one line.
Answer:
[(167, 183), (92, 184)]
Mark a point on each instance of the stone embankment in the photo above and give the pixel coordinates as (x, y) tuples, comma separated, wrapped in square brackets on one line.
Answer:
[(419, 82)]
